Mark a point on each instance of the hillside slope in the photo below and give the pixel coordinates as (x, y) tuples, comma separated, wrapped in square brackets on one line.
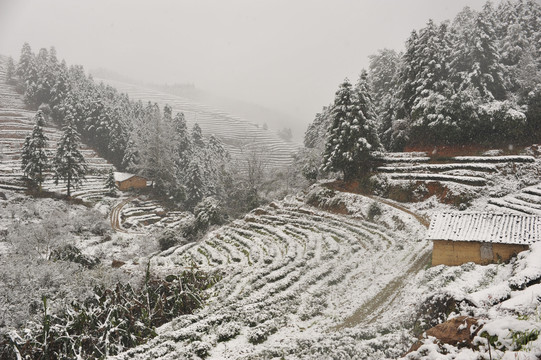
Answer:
[(16, 122), (240, 136), (293, 275)]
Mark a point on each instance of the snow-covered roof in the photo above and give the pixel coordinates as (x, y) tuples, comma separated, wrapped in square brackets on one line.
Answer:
[(122, 176), (486, 227)]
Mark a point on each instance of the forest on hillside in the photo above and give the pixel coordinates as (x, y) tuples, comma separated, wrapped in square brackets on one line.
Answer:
[(186, 166), (475, 79)]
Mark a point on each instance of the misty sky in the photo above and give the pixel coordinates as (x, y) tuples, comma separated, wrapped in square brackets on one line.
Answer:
[(289, 55)]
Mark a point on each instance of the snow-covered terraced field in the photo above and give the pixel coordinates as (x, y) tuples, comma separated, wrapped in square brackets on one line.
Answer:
[(138, 215), (292, 274), (526, 201), (15, 124), (470, 171), (239, 136)]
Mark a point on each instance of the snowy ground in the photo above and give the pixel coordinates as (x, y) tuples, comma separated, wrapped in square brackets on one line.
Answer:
[(293, 275), (300, 282)]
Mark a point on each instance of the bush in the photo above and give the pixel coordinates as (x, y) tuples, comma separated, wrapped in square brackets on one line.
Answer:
[(73, 254), (111, 319), (208, 212), (168, 239), (261, 332), (374, 210), (228, 331)]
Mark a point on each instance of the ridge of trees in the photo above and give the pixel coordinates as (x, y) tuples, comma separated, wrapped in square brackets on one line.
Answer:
[(476, 79), (185, 166)]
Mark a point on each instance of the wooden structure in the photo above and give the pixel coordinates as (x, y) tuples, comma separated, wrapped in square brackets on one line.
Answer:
[(483, 238), (126, 181)]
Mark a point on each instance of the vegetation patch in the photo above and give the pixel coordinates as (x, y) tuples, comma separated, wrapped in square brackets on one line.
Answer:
[(109, 321)]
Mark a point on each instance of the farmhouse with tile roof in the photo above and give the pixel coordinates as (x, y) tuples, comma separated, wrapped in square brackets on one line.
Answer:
[(483, 238)]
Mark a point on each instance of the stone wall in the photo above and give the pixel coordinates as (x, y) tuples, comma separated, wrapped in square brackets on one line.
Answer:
[(454, 253)]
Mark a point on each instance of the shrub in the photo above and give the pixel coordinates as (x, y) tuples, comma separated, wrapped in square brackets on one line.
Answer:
[(208, 212), (228, 331), (261, 332), (73, 254), (168, 239), (374, 210), (111, 319)]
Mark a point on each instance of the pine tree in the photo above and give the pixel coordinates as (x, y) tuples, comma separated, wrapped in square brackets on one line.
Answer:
[(475, 59), (59, 90), (353, 134), (194, 184), (197, 136), (10, 71), (69, 163), (34, 155), (26, 62), (110, 184)]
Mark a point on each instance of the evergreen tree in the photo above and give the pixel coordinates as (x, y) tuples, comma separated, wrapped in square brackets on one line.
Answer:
[(194, 184), (197, 137), (59, 90), (69, 163), (316, 134), (10, 71), (34, 155), (28, 73), (476, 61), (110, 184), (353, 134), (216, 158), (45, 79), (26, 64)]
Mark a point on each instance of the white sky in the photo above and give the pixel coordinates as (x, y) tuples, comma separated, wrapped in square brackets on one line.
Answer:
[(289, 55)]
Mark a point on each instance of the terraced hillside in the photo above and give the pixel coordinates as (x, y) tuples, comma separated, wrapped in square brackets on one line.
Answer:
[(467, 176), (240, 136), (15, 124), (527, 201), (294, 275)]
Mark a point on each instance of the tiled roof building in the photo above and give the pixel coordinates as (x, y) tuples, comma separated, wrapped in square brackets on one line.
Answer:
[(481, 237)]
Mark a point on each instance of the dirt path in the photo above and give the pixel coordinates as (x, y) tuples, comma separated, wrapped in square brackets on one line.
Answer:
[(424, 221), (384, 299), (115, 216)]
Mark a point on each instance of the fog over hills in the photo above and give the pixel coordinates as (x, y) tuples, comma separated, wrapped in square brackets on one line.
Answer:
[(256, 113)]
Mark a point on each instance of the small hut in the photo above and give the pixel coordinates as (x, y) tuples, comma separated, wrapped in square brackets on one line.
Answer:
[(483, 238), (126, 181)]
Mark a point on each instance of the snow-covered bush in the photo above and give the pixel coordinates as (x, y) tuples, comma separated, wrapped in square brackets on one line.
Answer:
[(208, 212), (73, 254), (228, 331), (111, 319), (374, 210), (260, 333)]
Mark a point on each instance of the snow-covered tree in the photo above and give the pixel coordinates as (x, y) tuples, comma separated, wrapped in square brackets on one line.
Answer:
[(69, 163), (110, 184), (26, 64), (194, 184), (10, 71), (316, 134), (34, 154), (475, 58), (197, 136), (353, 134), (59, 90)]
